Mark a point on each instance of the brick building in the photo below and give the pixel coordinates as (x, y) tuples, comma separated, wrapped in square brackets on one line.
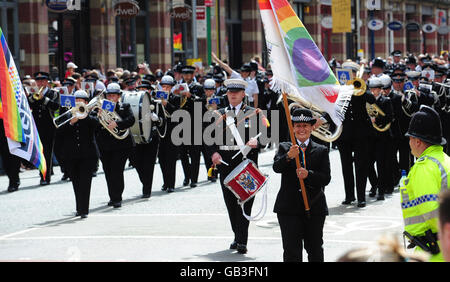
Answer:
[(42, 39)]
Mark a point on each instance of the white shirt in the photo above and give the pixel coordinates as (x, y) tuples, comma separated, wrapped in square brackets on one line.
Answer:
[(236, 109), (300, 142)]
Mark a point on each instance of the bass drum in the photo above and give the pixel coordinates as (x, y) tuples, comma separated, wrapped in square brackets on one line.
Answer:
[(141, 108)]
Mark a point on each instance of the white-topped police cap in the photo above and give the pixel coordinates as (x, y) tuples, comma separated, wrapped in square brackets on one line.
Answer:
[(113, 88), (235, 84), (302, 115), (375, 82), (349, 64), (81, 94), (209, 84), (167, 80), (386, 80), (413, 74)]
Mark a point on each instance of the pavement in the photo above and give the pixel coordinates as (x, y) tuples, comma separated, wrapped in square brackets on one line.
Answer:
[(38, 223)]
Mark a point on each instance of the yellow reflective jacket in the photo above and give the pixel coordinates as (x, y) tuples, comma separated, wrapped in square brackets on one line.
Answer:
[(420, 190)]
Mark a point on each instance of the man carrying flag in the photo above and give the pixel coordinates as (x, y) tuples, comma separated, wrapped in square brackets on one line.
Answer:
[(17, 121)]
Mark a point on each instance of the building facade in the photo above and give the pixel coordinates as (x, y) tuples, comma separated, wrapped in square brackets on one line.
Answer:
[(41, 38)]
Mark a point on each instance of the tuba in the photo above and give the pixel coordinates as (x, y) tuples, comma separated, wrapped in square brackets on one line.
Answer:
[(324, 132), (358, 83)]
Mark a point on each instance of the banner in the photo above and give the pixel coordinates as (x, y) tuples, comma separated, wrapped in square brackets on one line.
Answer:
[(178, 41), (342, 15), (299, 68), (20, 128)]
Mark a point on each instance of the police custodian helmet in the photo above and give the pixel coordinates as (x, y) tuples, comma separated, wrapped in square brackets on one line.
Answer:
[(426, 125)]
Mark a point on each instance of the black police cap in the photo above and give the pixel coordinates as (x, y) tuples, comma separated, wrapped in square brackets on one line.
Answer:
[(426, 125)]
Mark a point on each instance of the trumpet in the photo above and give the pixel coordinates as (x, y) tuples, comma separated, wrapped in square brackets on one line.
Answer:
[(374, 111), (80, 111), (38, 95)]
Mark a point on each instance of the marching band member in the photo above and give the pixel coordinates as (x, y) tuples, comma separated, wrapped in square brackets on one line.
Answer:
[(114, 152), (144, 155), (168, 152), (380, 143), (225, 152), (80, 154), (296, 228), (11, 163), (43, 107)]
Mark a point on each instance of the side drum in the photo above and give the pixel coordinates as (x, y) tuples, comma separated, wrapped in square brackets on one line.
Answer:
[(140, 105)]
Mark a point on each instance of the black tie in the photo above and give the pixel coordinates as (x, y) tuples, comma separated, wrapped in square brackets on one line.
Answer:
[(303, 146)]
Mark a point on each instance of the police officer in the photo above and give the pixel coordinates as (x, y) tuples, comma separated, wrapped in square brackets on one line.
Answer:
[(426, 179), (43, 108), (226, 150), (353, 148), (80, 153), (380, 144), (115, 152), (296, 228), (144, 155), (168, 152)]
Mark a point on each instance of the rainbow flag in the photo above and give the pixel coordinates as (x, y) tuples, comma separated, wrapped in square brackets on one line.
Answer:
[(178, 41), (20, 128), (299, 68)]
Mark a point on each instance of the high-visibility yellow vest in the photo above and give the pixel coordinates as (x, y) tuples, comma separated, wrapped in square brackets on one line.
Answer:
[(419, 192)]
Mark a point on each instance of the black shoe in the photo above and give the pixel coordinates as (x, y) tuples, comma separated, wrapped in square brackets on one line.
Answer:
[(145, 196), (193, 185), (164, 188), (361, 204), (83, 215), (241, 248), (170, 190), (186, 182), (380, 198), (213, 179), (373, 192), (94, 174), (117, 205), (110, 203), (65, 177), (233, 246), (13, 188), (44, 182), (347, 202)]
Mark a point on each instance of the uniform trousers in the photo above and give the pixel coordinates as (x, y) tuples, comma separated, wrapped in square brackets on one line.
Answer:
[(190, 160), (113, 165), (381, 149), (47, 143), (406, 159), (11, 163), (80, 173), (359, 148), (167, 156), (298, 231), (144, 158)]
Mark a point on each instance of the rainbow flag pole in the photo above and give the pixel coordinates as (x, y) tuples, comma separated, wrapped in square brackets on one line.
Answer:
[(20, 128), (299, 68)]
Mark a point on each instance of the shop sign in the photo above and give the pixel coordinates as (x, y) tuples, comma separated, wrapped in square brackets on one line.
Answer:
[(209, 3), (412, 27), (59, 6), (429, 28), (181, 12), (126, 8), (395, 25), (375, 24), (327, 22), (443, 29)]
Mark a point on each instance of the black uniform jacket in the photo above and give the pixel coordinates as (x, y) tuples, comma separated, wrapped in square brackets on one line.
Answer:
[(43, 111), (106, 141), (398, 114), (289, 199), (385, 104), (79, 139)]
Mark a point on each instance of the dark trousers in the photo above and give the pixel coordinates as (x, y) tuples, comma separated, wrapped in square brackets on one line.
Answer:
[(11, 163), (239, 224), (405, 158), (144, 158), (207, 157), (80, 173), (113, 165), (359, 148), (297, 231), (167, 156), (381, 149), (395, 165), (190, 160)]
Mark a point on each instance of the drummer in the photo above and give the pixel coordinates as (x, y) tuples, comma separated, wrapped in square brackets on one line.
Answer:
[(222, 157)]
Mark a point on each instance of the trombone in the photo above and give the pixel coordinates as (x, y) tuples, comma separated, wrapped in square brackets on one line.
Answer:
[(80, 111)]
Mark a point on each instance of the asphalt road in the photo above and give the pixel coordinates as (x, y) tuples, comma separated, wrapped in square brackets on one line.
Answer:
[(38, 223)]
